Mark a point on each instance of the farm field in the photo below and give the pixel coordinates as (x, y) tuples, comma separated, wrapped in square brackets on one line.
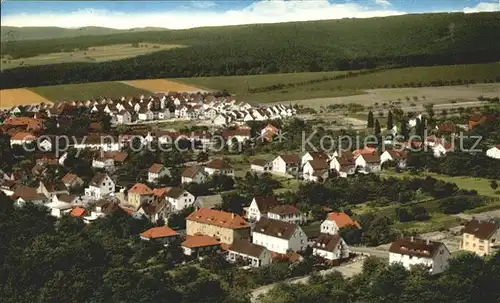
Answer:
[(85, 91), (19, 96), (362, 89), (92, 54), (161, 85)]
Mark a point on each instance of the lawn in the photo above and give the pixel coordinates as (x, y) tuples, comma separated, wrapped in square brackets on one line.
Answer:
[(481, 185), (86, 91)]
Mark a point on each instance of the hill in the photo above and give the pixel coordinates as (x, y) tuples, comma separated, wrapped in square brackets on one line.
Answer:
[(348, 44), (10, 33)]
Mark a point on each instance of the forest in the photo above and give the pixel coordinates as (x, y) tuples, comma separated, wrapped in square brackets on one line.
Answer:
[(348, 44)]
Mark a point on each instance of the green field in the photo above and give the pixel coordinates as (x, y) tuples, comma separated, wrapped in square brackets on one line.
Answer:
[(401, 77), (93, 54), (86, 91)]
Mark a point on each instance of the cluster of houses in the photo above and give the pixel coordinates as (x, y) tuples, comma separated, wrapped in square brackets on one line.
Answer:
[(190, 106)]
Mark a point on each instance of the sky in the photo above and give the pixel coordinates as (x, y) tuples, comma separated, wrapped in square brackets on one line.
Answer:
[(189, 14)]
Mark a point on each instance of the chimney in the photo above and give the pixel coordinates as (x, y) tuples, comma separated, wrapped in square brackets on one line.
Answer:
[(232, 215), (428, 242), (411, 239)]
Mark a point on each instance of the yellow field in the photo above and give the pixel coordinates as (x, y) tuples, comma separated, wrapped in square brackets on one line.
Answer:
[(19, 96), (162, 85)]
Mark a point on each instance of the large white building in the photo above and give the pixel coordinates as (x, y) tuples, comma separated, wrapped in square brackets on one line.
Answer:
[(411, 251), (286, 164), (278, 236), (260, 206), (494, 152), (330, 247), (335, 221)]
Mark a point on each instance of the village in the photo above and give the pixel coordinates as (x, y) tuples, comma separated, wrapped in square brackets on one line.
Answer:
[(265, 229)]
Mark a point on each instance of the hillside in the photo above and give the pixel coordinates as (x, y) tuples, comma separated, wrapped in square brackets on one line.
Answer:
[(10, 33), (348, 44)]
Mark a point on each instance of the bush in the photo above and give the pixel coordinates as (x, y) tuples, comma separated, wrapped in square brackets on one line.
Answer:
[(458, 204)]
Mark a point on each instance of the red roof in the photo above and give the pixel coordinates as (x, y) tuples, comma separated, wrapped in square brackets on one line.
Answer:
[(159, 232), (23, 136), (155, 168), (218, 218), (199, 241), (77, 212), (140, 189), (342, 219)]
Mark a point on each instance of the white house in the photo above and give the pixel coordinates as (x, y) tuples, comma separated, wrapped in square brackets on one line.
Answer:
[(22, 138), (145, 114), (278, 236), (71, 181), (335, 221), (108, 164), (179, 199), (156, 172), (59, 208), (315, 170), (252, 254), (310, 156), (286, 213), (194, 174), (123, 117), (100, 186), (344, 165), (411, 251), (494, 152), (260, 206), (261, 165), (368, 163), (286, 164), (330, 247), (221, 120), (440, 149), (219, 167), (391, 155)]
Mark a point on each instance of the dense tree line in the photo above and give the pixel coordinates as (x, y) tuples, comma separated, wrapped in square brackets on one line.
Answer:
[(411, 40), (468, 279)]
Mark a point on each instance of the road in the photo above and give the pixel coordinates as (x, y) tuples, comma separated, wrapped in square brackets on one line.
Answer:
[(488, 215)]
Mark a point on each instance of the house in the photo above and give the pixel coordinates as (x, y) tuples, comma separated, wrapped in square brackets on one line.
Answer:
[(268, 132), (22, 138), (139, 194), (211, 202), (368, 163), (335, 221), (118, 157), (226, 227), (51, 189), (194, 174), (441, 148), (163, 234), (108, 164), (77, 212), (252, 254), (179, 199), (156, 172), (103, 208), (278, 236), (59, 208), (9, 187), (286, 164), (411, 251), (315, 170), (364, 151), (475, 121), (123, 117), (200, 245), (330, 247), (261, 165), (344, 165), (145, 114), (25, 194), (157, 210), (100, 186), (219, 167), (313, 156), (260, 206), (392, 155), (221, 120), (494, 152), (240, 134), (286, 213), (480, 237), (71, 181), (70, 199)]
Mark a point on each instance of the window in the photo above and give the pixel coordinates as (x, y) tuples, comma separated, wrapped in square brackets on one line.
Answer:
[(481, 247)]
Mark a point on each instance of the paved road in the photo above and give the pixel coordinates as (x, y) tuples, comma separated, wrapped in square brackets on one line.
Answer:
[(371, 251), (488, 215), (348, 270)]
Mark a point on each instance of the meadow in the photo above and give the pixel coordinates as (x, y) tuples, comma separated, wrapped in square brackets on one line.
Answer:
[(86, 91), (90, 55)]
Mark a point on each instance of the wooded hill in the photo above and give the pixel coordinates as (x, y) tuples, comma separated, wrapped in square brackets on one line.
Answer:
[(409, 40)]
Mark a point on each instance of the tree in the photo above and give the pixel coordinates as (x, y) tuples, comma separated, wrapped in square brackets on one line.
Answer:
[(377, 130), (202, 157), (370, 119), (404, 130), (493, 184), (390, 124)]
